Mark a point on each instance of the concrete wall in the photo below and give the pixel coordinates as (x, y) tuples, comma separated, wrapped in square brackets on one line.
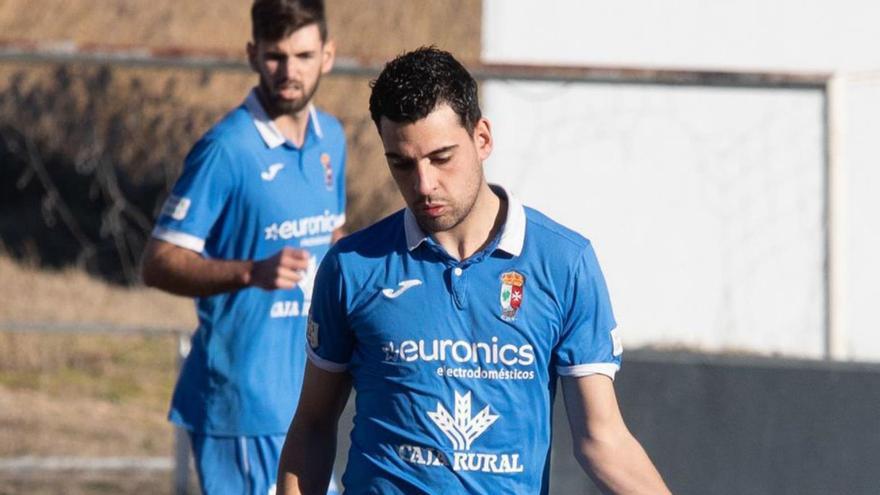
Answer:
[(733, 426)]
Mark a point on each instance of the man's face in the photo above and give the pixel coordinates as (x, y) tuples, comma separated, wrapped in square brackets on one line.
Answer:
[(437, 165), (291, 68)]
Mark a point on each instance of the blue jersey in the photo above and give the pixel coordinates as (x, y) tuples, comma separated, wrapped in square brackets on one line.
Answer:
[(455, 362), (245, 193)]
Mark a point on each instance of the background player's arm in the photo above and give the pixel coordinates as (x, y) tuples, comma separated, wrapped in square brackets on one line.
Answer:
[(181, 271), (310, 447), (603, 445)]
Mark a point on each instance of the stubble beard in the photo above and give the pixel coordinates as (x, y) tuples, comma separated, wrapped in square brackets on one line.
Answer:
[(456, 215), (279, 106)]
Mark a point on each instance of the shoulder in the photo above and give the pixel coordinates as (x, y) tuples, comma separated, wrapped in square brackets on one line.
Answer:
[(370, 246), (331, 131), (546, 232), (227, 141), (329, 124), (236, 128), (382, 238), (567, 256)]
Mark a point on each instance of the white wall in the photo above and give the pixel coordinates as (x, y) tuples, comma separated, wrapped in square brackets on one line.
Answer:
[(861, 228), (705, 204), (701, 203), (744, 34)]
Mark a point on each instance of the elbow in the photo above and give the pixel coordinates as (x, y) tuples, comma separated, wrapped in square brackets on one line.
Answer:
[(153, 266), (149, 272), (599, 453), (586, 454)]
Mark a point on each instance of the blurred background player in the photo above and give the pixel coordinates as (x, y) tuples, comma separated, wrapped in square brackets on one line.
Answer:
[(260, 199), (457, 398)]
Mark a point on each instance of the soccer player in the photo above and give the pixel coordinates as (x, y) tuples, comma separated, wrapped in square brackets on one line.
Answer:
[(452, 319), (260, 199)]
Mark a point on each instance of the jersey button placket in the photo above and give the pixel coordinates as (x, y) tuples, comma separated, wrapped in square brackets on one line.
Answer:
[(459, 287)]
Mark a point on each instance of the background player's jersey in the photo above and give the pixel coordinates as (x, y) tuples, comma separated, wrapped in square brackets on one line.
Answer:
[(455, 363), (246, 192)]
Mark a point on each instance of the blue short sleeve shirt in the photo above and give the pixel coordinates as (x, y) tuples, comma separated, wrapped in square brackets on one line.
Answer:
[(455, 362), (246, 192)]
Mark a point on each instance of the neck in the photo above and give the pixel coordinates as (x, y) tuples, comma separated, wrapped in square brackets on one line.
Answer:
[(478, 229), (291, 125)]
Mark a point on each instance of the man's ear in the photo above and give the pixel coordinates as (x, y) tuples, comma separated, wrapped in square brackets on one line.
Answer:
[(483, 138), (252, 55), (328, 54)]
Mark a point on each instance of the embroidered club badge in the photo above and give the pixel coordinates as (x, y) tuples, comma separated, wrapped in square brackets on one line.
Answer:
[(328, 171), (511, 294)]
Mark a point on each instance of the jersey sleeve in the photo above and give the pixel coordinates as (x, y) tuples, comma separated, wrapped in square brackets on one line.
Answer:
[(588, 343), (340, 187), (330, 340), (198, 197)]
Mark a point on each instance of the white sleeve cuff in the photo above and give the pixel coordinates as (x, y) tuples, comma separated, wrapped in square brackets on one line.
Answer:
[(579, 370), (181, 239), (323, 363)]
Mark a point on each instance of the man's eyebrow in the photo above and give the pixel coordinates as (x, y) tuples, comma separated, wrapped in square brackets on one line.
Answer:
[(443, 149), (438, 151)]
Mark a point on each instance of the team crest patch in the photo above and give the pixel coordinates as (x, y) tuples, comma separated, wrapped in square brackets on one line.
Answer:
[(511, 294), (312, 333), (328, 170)]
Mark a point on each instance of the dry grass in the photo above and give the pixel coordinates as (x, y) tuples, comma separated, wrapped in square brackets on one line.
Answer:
[(69, 421), (29, 294), (85, 394)]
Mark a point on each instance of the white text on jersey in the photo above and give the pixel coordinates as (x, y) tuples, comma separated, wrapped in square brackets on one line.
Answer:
[(301, 227), (460, 351)]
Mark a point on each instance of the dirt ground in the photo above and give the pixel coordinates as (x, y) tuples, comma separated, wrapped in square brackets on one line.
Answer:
[(90, 483)]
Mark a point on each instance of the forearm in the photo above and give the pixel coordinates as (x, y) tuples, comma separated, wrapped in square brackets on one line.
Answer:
[(187, 273), (619, 465), (306, 463)]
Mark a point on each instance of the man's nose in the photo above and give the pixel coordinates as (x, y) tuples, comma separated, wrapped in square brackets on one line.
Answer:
[(292, 68), (425, 178)]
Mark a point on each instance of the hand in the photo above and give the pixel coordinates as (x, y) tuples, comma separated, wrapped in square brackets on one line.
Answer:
[(283, 270)]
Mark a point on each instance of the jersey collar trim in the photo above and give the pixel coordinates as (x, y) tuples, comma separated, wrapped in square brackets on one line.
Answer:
[(270, 133), (513, 233)]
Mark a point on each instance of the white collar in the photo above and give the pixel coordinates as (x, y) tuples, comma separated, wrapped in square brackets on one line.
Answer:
[(268, 130), (513, 232)]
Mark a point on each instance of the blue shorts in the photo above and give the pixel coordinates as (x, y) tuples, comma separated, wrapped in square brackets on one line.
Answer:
[(239, 465)]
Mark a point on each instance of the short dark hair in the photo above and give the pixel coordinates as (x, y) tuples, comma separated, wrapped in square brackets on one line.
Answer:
[(273, 20), (412, 85)]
